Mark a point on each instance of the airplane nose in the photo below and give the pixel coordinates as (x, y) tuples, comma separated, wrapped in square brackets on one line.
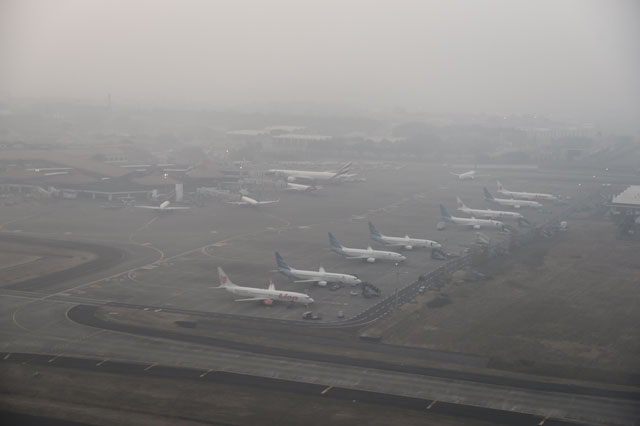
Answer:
[(403, 258)]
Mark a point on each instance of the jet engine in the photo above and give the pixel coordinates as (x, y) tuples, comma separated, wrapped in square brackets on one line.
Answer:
[(291, 179), (322, 283), (408, 247), (371, 259), (268, 302)]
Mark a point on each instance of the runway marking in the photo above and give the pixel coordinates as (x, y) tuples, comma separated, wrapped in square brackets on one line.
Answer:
[(54, 358), (102, 362), (151, 366), (543, 420), (431, 405), (326, 390), (205, 373), (6, 357)]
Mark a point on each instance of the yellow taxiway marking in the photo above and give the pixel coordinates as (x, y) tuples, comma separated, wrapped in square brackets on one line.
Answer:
[(205, 373), (431, 405), (102, 362), (150, 366), (326, 390), (543, 420)]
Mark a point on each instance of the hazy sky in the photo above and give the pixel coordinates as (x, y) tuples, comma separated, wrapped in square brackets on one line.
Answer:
[(572, 59)]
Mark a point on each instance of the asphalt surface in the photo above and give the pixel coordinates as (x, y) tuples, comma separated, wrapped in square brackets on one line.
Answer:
[(334, 392), (169, 263)]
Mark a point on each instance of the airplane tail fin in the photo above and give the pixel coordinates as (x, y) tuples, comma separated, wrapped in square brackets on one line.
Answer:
[(500, 187), (344, 169), (281, 263), (335, 245), (374, 232), (445, 214), (460, 203), (225, 281), (487, 194), (272, 286)]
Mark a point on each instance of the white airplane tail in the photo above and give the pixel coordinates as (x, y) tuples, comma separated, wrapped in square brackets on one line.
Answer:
[(225, 281), (500, 187), (460, 203)]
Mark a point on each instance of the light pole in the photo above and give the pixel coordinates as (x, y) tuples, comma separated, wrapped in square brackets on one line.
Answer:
[(395, 308)]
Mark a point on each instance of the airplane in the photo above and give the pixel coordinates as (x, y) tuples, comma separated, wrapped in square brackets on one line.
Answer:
[(369, 254), (248, 201), (525, 195), (311, 176), (471, 222), (406, 241), (320, 276), (164, 207), (266, 296), (298, 187), (51, 169), (510, 202), (486, 213), (470, 175)]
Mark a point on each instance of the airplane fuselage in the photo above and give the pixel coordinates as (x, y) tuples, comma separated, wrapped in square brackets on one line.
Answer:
[(475, 223), (279, 295), (326, 277), (407, 242), (510, 202), (370, 255), (490, 214)]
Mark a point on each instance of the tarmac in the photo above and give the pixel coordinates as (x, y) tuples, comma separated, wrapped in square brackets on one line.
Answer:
[(168, 261)]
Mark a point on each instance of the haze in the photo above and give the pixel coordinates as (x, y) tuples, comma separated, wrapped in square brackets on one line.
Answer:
[(577, 60)]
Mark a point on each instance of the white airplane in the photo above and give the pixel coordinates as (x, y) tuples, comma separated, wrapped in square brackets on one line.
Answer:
[(369, 254), (510, 202), (51, 169), (471, 222), (266, 296), (320, 276), (406, 241), (486, 213), (525, 195), (298, 187), (164, 207), (248, 201), (470, 175), (311, 176)]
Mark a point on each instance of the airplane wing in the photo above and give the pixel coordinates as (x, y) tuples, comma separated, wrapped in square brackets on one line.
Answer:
[(306, 281), (253, 299), (268, 202), (176, 208), (238, 203), (358, 257)]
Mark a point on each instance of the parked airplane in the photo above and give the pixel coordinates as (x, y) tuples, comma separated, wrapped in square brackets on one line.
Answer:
[(470, 175), (164, 207), (369, 254), (510, 202), (320, 276), (406, 241), (311, 176), (266, 296), (471, 222), (298, 187), (486, 213), (525, 195), (248, 201)]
